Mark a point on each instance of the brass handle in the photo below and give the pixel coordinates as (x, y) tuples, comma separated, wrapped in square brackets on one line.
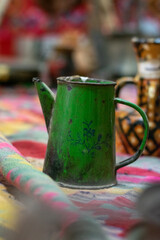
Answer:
[(121, 82)]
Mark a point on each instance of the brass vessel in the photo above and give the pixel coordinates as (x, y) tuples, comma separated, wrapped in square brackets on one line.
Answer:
[(128, 123)]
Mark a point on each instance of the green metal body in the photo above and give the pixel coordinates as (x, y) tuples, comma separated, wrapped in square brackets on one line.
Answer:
[(81, 145)]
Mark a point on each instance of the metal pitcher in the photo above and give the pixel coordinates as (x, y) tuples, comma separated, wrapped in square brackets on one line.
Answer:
[(81, 127)]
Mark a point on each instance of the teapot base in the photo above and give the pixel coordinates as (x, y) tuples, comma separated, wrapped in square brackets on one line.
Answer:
[(85, 187)]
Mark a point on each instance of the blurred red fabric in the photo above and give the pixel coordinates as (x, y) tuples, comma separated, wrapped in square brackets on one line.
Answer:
[(26, 18)]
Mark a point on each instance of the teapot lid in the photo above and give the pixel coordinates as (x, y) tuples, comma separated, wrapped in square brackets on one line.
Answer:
[(84, 80)]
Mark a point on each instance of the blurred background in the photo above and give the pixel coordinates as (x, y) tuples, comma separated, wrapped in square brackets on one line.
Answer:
[(58, 37)]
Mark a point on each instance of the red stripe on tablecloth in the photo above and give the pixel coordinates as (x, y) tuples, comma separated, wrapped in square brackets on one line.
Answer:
[(31, 148)]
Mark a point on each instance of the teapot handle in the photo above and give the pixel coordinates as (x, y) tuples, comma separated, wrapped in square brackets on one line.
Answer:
[(121, 82), (146, 131)]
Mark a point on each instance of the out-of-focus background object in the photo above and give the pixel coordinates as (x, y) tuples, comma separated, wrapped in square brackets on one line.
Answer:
[(116, 22), (3, 5), (37, 39), (129, 125), (78, 37)]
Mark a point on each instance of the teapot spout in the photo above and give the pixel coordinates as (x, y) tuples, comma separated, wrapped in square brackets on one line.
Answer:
[(46, 98)]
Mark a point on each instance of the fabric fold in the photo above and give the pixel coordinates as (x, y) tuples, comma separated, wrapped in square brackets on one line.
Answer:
[(18, 172)]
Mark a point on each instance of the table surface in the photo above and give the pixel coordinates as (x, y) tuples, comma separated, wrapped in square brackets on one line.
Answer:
[(114, 208)]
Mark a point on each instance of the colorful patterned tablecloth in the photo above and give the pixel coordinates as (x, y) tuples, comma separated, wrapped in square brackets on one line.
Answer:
[(23, 125)]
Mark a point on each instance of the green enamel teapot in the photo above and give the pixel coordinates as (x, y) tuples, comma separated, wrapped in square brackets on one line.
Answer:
[(81, 126)]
